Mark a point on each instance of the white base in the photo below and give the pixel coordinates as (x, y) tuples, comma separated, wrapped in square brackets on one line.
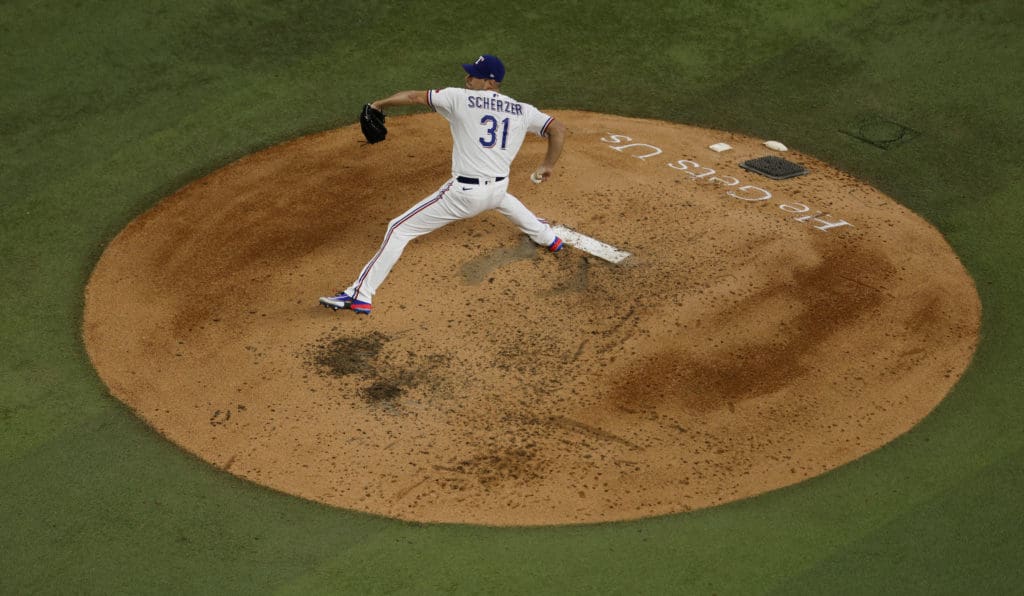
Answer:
[(591, 245)]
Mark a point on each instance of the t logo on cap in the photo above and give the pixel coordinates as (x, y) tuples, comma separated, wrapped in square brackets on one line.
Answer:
[(486, 67)]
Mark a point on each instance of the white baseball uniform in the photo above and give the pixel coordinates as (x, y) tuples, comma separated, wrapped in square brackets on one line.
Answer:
[(488, 129)]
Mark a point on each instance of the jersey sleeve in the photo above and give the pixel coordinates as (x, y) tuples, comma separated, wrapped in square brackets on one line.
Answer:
[(443, 100), (538, 122)]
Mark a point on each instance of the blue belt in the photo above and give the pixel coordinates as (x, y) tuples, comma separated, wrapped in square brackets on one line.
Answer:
[(465, 180)]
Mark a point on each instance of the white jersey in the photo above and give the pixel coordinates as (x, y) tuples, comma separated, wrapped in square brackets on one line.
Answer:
[(487, 129)]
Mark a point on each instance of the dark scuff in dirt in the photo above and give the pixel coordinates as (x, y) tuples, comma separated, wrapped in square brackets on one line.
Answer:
[(344, 356), (388, 377), (383, 392)]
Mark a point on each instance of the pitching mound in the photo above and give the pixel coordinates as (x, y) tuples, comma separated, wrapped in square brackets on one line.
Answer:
[(763, 332)]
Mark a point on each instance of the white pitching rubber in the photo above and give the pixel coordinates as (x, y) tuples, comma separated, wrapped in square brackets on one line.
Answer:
[(590, 245)]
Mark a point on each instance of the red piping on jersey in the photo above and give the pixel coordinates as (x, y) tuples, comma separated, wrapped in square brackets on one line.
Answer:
[(544, 129)]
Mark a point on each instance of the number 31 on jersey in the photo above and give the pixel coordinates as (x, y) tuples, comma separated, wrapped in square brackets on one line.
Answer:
[(492, 132)]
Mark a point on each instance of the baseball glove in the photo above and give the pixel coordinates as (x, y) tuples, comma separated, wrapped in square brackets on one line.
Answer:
[(371, 120)]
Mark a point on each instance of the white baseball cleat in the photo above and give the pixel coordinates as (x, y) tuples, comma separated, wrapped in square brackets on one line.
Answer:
[(343, 301)]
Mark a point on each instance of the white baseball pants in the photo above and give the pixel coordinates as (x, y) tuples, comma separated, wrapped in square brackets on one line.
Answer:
[(453, 201)]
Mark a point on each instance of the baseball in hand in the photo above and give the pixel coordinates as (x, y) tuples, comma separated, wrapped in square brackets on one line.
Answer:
[(536, 178)]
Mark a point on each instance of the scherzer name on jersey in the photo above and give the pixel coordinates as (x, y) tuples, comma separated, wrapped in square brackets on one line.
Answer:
[(495, 105)]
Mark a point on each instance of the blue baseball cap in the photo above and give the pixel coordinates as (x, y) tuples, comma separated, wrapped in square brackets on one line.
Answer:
[(486, 67)]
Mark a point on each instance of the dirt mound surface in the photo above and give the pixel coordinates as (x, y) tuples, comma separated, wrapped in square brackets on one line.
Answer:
[(763, 332)]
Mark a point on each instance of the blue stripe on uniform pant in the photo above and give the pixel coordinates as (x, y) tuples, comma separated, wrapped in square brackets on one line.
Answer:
[(387, 237)]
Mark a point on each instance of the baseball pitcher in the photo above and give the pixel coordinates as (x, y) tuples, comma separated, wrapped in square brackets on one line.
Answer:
[(488, 128)]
